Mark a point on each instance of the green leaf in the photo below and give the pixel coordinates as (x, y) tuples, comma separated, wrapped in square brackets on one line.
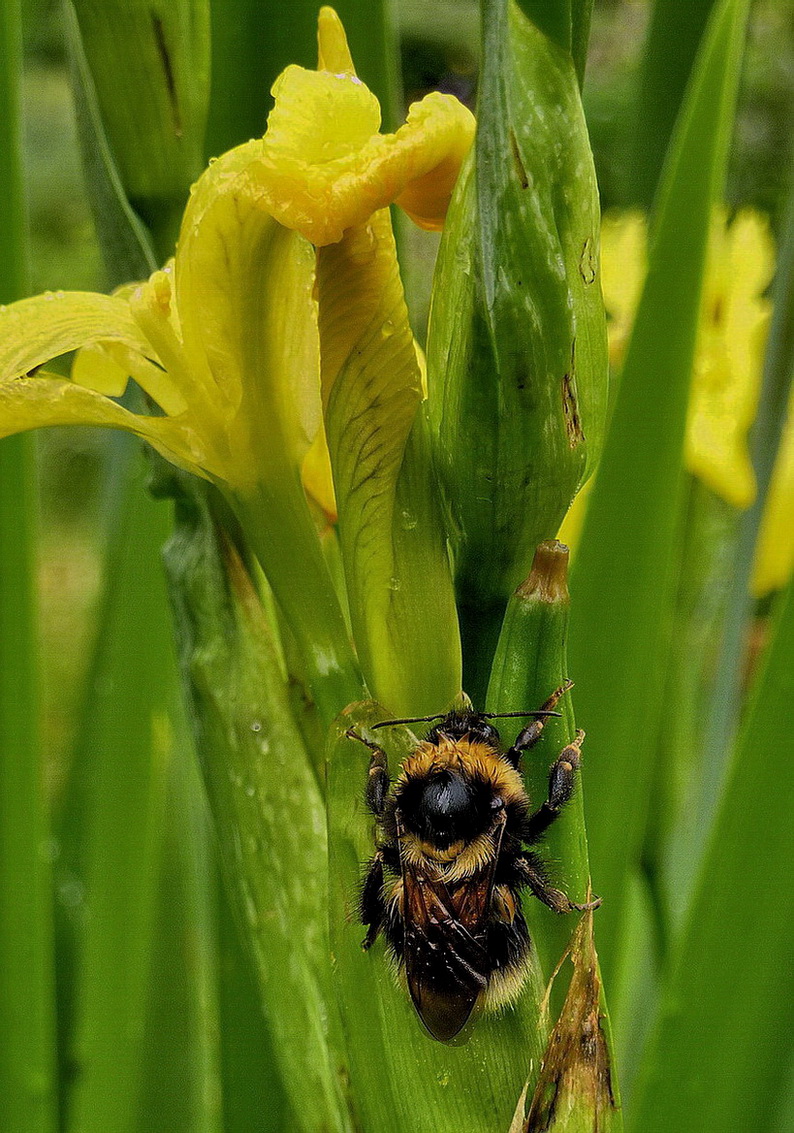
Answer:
[(124, 242), (674, 34), (181, 1077), (111, 832), (264, 799), (530, 663), (517, 366), (254, 1098), (150, 63), (719, 1052), (621, 585), (27, 1015)]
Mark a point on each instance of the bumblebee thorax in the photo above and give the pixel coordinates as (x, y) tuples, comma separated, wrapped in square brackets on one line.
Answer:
[(445, 804)]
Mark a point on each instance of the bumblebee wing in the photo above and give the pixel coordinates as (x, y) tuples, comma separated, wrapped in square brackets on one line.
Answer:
[(445, 964), (446, 958), (473, 902)]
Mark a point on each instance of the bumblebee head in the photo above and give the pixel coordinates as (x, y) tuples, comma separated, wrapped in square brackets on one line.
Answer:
[(473, 726), (447, 806)]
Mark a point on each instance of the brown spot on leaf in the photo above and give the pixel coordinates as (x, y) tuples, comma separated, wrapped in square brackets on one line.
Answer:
[(168, 72), (570, 409), (517, 162), (588, 265)]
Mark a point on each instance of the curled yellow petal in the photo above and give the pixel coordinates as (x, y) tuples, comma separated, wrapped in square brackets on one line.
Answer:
[(333, 52), (43, 400), (324, 167), (244, 291), (34, 331), (317, 477)]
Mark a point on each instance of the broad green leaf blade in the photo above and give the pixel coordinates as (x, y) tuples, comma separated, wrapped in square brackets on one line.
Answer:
[(27, 988), (530, 663), (671, 44), (399, 1077), (621, 586), (567, 23), (150, 64), (113, 825), (123, 240), (719, 1053), (265, 803), (27, 999), (254, 1098), (181, 1077)]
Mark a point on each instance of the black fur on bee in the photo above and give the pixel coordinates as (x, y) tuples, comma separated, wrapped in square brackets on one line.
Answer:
[(452, 860)]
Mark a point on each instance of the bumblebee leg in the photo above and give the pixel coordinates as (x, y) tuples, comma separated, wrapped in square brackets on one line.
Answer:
[(534, 875), (372, 909), (378, 782), (530, 735), (562, 777)]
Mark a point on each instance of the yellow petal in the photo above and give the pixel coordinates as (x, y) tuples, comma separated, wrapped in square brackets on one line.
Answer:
[(317, 477), (731, 338), (774, 553), (32, 403), (107, 366), (623, 267), (333, 51), (34, 331), (325, 168), (95, 368), (372, 385), (244, 292)]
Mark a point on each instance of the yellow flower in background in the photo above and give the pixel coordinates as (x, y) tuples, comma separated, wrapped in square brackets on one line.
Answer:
[(774, 553), (731, 338), (623, 265), (727, 374), (224, 340), (730, 354)]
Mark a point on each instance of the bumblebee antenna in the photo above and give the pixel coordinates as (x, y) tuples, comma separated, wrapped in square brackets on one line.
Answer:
[(443, 716), (409, 720), (502, 715)]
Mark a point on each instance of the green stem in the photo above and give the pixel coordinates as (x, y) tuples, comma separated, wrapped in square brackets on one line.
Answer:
[(279, 527), (27, 1018), (27, 1054)]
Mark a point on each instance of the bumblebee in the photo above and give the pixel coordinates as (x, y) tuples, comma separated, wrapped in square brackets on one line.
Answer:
[(452, 860)]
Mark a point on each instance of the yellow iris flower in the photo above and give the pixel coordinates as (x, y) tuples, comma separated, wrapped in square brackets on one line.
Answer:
[(224, 340), (727, 376)]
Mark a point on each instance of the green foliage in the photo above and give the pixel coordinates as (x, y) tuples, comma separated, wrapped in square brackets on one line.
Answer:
[(204, 972), (516, 341), (622, 585)]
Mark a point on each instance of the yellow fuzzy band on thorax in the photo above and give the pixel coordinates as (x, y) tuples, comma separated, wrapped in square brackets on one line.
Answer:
[(474, 759)]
